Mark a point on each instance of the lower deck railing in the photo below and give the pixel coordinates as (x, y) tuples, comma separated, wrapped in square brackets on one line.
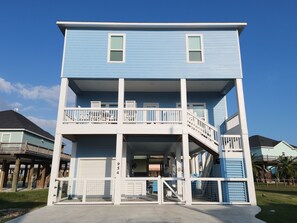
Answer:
[(154, 190), (85, 190), (219, 190)]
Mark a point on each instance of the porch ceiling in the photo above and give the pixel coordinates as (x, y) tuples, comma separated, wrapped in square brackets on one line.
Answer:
[(160, 85), (157, 145), (153, 145)]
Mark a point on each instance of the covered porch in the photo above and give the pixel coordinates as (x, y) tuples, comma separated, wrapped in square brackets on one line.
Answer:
[(185, 123)]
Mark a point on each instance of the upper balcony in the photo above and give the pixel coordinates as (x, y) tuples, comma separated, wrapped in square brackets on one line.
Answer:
[(150, 101)]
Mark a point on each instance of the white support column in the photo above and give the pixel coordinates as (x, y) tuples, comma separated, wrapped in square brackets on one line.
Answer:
[(179, 168), (124, 160), (72, 167), (119, 144), (178, 161), (245, 141), (58, 142), (72, 160), (55, 169), (118, 178), (184, 102), (121, 95), (203, 162), (196, 165), (186, 162), (185, 143)]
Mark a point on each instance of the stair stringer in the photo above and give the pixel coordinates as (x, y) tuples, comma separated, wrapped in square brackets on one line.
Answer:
[(209, 145)]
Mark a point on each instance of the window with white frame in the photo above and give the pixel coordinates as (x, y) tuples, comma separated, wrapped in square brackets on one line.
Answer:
[(5, 137), (109, 105), (194, 48), (199, 109), (116, 48)]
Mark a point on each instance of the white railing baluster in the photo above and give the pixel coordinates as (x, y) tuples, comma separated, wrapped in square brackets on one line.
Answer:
[(202, 127), (152, 116), (90, 115), (231, 143)]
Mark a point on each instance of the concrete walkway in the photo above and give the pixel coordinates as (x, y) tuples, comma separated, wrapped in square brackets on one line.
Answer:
[(141, 214)]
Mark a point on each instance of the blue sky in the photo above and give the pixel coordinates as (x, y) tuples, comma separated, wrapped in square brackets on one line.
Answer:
[(31, 52)]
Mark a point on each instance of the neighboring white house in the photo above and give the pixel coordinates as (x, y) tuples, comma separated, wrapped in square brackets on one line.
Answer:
[(267, 149), (151, 100)]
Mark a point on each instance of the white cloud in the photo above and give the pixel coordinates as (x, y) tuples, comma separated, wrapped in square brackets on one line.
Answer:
[(41, 92), (4, 105), (47, 125), (29, 108), (6, 86), (50, 94)]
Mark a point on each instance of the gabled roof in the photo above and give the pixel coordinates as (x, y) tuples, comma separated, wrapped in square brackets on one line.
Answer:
[(12, 120), (149, 25), (259, 141)]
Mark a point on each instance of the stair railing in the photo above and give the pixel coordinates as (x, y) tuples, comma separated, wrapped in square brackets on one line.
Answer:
[(202, 127)]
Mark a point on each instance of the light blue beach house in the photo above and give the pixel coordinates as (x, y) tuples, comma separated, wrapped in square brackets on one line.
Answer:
[(150, 124)]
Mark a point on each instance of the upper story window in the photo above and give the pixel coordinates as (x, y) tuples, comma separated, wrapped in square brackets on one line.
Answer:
[(194, 48), (116, 48)]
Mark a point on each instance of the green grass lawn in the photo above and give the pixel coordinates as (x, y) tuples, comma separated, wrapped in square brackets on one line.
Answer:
[(15, 204), (277, 203)]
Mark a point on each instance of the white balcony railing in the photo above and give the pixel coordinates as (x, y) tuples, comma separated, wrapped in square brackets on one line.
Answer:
[(231, 143), (90, 115), (152, 116), (212, 190)]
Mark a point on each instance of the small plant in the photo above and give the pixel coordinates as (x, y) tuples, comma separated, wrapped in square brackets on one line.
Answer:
[(286, 168)]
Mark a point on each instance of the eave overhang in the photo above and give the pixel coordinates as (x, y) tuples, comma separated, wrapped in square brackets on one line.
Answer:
[(63, 25)]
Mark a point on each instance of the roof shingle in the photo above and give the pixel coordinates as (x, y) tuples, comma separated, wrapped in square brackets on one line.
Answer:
[(12, 120), (258, 141)]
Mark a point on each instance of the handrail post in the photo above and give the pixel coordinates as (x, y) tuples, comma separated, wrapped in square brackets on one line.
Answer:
[(160, 190), (60, 190), (220, 191), (84, 191)]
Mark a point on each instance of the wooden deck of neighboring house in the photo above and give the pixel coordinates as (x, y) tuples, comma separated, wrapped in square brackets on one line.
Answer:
[(25, 165)]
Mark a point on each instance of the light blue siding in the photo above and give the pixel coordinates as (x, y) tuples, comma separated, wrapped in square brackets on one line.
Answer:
[(277, 150), (96, 146), (38, 141), (151, 54), (15, 136), (234, 191), (23, 137), (84, 98)]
